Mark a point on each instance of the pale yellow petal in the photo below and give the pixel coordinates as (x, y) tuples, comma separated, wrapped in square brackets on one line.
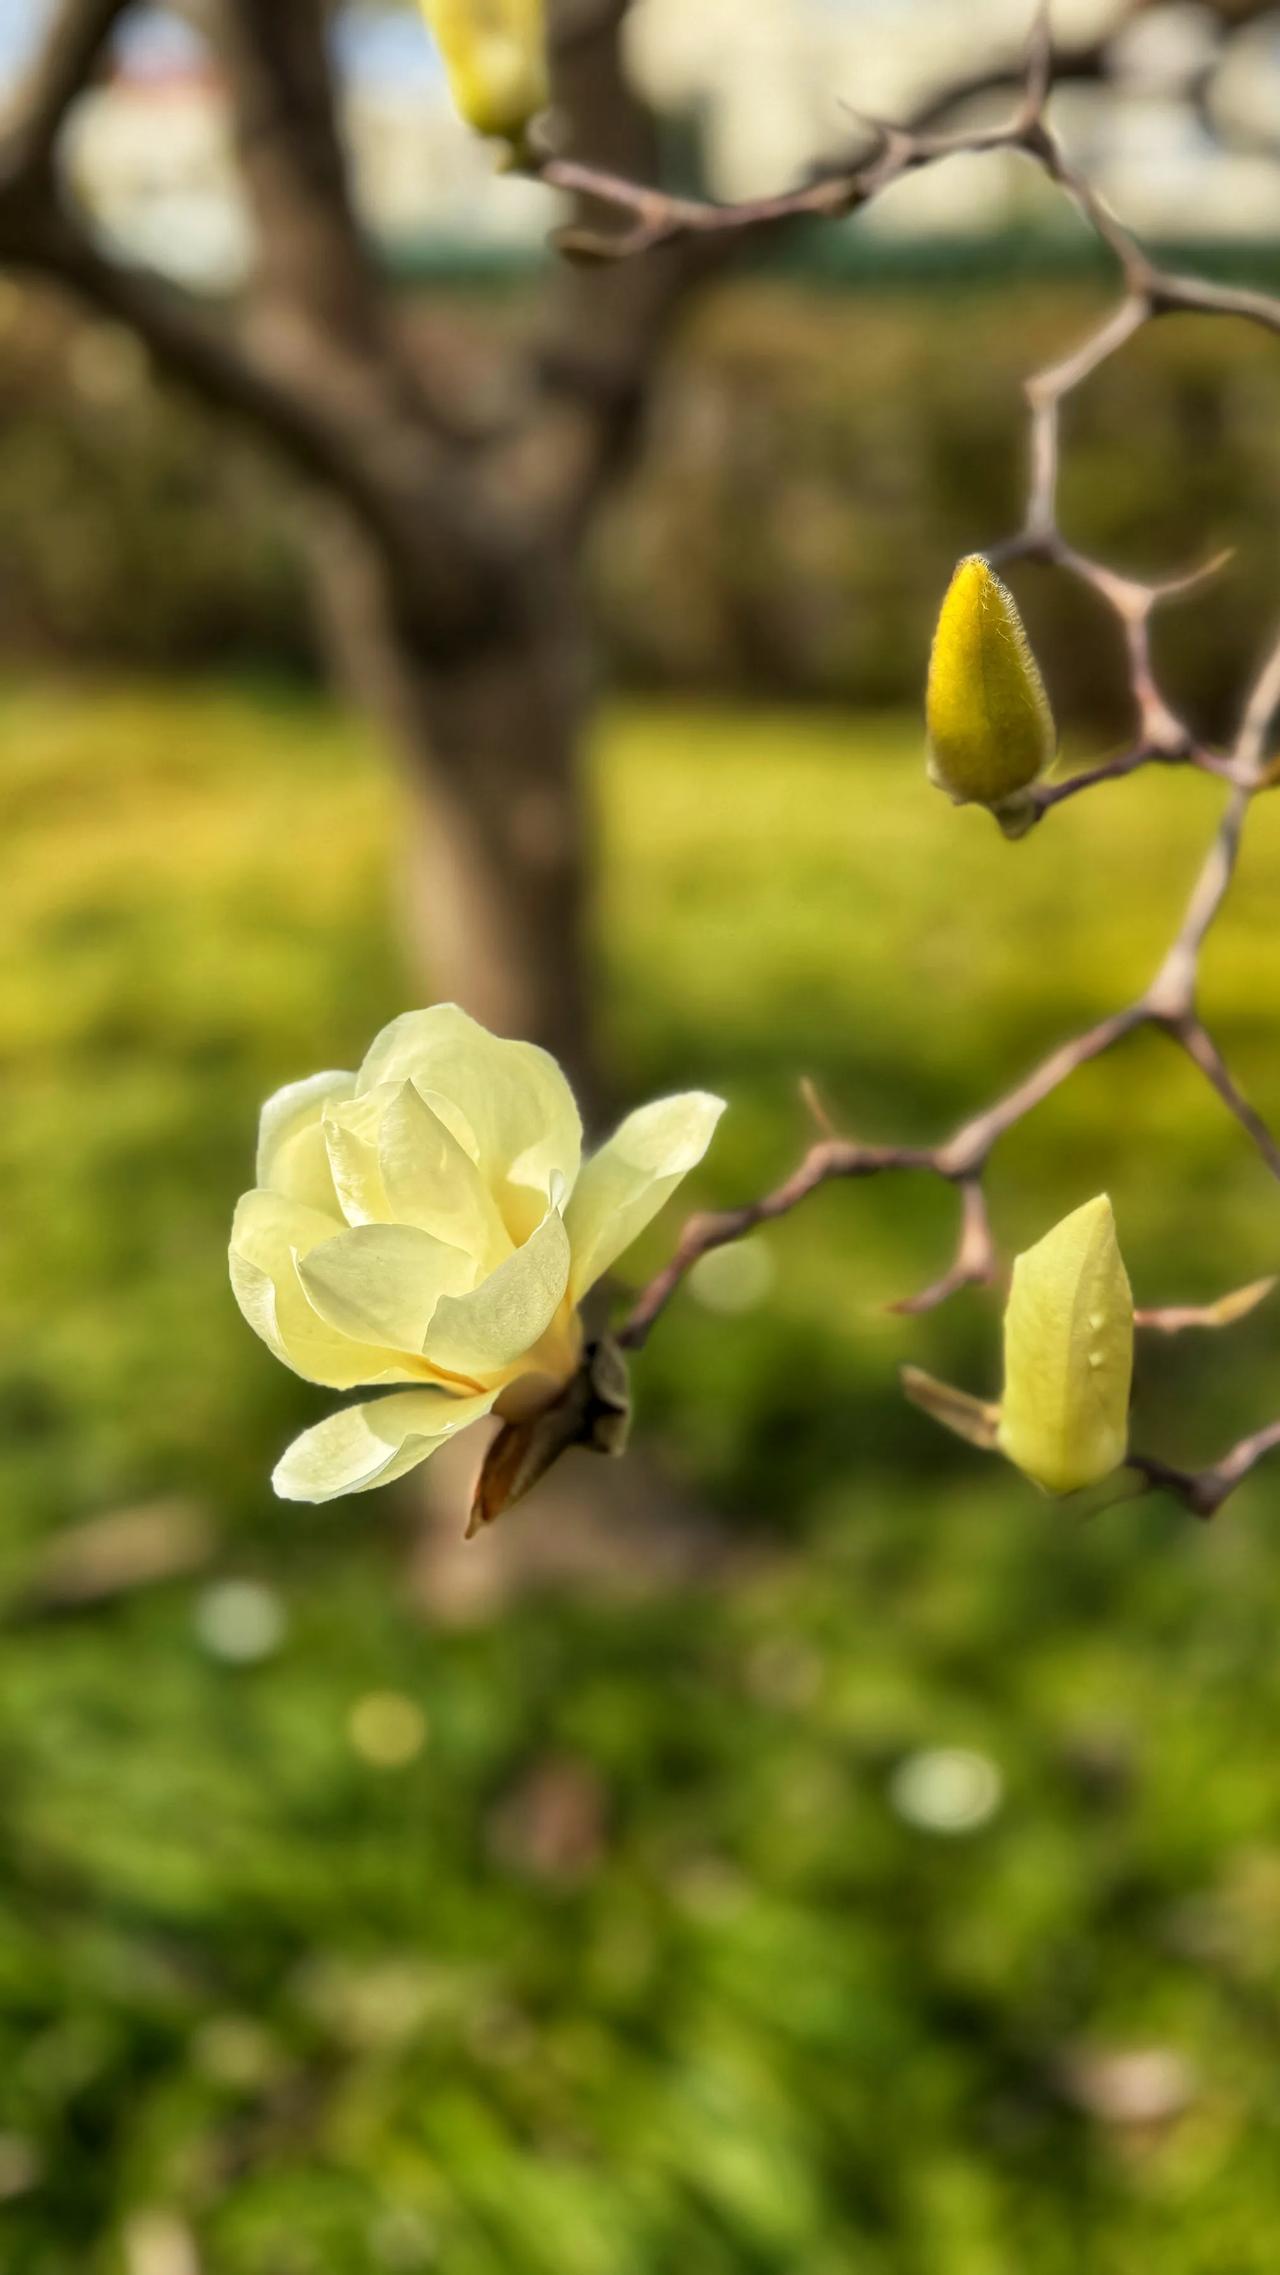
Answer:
[(268, 1233), (371, 1444), (1064, 1417), (382, 1282), (351, 1130), (507, 1103), (431, 1182), (623, 1187), (291, 1148), (484, 1334)]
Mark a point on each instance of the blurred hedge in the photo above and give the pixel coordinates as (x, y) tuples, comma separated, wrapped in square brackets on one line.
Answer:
[(819, 459)]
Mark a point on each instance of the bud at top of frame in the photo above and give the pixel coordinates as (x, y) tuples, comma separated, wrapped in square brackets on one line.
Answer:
[(495, 52), (991, 730), (1068, 1354)]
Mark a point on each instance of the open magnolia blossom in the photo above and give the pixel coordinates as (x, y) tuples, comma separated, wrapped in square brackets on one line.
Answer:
[(1068, 1361), (429, 1223), (495, 53), (991, 731)]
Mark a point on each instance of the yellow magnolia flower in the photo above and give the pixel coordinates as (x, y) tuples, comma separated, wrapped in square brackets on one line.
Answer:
[(495, 52), (429, 1222), (991, 732), (1068, 1355)]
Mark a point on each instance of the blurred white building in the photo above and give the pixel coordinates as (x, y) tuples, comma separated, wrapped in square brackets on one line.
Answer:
[(766, 82)]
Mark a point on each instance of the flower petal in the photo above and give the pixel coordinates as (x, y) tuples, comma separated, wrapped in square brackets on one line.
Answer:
[(268, 1234), (381, 1283), (351, 1138), (291, 1149), (371, 1444), (430, 1181), (483, 1334), (513, 1111), (1068, 1349), (622, 1187)]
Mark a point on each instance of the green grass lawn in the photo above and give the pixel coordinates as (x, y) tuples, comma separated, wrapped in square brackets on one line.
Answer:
[(641, 1961)]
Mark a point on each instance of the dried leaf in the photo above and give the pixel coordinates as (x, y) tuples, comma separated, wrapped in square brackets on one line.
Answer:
[(594, 1411)]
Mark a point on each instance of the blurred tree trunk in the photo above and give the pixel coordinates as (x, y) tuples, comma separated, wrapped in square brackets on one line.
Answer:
[(495, 859), (486, 707), (446, 534)]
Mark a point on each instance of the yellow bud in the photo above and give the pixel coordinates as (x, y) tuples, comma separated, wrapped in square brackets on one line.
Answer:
[(1068, 1355), (495, 52), (991, 732)]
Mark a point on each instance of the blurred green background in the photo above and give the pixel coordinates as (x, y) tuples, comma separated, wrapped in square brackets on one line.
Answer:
[(886, 1874)]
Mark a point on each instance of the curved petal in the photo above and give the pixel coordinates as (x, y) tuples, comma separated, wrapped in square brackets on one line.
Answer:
[(371, 1444), (267, 1236), (381, 1283), (513, 1111), (291, 1148), (351, 1139), (430, 1181), (623, 1187), (484, 1333)]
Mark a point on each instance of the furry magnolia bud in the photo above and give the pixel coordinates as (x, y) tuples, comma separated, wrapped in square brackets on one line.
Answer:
[(991, 732), (495, 52), (1068, 1355)]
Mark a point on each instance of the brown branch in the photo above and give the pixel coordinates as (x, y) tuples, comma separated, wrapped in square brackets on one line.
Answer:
[(1181, 1318), (65, 64), (608, 327), (1203, 1491), (1169, 1004), (829, 1158), (229, 373), (318, 372)]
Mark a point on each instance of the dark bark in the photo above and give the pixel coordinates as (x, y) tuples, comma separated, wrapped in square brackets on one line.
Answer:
[(495, 859)]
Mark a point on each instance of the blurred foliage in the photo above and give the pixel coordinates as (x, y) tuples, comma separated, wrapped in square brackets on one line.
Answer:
[(820, 460), (639, 1962)]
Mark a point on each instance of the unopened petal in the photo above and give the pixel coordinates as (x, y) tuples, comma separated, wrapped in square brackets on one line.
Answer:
[(507, 1103), (430, 1180), (991, 731), (622, 1187), (371, 1444), (495, 54), (1069, 1355), (291, 1148)]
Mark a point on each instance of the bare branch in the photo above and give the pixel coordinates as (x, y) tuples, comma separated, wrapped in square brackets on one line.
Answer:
[(65, 64), (1181, 1318), (1203, 1491), (1169, 1004), (1204, 1053)]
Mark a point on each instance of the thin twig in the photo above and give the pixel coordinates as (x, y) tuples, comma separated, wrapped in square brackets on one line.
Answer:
[(1169, 1003)]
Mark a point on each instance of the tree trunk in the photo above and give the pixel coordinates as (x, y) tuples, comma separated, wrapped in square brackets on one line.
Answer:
[(495, 858)]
